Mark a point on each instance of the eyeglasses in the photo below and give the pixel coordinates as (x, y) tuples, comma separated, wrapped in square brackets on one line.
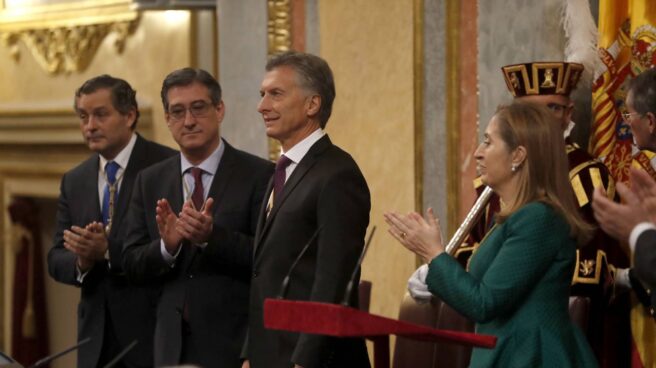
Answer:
[(198, 110), (627, 115)]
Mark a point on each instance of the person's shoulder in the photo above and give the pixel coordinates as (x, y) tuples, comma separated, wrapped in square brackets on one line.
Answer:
[(535, 207), (162, 166), (249, 158), (157, 149), (535, 211), (86, 167), (339, 157)]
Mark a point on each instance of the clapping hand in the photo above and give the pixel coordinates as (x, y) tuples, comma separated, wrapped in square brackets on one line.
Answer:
[(419, 235)]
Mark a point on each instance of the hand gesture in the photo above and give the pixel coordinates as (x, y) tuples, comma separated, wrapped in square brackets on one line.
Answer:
[(419, 235), (644, 187), (618, 219), (89, 244), (166, 224), (196, 225)]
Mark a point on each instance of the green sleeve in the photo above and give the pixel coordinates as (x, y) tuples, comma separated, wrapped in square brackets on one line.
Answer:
[(532, 237)]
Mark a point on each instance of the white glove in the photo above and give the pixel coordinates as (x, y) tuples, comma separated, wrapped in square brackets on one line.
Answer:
[(417, 285)]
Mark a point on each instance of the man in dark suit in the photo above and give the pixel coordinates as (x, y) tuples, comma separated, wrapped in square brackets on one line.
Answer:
[(644, 249), (317, 189), (634, 219), (87, 246), (193, 219)]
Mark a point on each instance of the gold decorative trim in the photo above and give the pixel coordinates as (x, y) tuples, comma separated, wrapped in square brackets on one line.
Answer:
[(453, 111), (64, 38), (279, 26), (588, 271), (279, 38), (418, 71)]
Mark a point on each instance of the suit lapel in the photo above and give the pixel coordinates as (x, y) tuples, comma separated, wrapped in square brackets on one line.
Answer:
[(135, 163), (89, 192), (175, 194), (262, 218), (294, 180), (222, 176)]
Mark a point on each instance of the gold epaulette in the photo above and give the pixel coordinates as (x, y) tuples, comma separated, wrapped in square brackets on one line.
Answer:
[(588, 271)]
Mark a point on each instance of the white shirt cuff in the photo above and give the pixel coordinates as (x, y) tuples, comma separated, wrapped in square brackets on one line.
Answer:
[(170, 259), (637, 231)]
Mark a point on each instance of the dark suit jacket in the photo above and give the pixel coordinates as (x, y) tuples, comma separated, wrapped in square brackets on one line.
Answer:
[(645, 264), (214, 281), (326, 190), (105, 289)]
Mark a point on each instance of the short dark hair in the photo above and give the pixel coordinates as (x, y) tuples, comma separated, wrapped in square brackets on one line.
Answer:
[(643, 91), (187, 76), (314, 74), (124, 97)]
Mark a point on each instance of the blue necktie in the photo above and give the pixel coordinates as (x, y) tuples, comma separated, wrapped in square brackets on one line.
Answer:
[(110, 170)]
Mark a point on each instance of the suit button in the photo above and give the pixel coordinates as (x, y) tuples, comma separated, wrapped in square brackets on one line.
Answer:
[(255, 274), (191, 276), (648, 291), (651, 311)]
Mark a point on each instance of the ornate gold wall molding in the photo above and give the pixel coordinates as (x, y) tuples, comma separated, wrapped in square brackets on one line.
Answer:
[(63, 38), (279, 37), (279, 26)]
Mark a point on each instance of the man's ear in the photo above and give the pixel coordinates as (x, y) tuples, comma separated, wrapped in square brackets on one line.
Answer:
[(651, 122), (220, 111), (313, 105), (132, 118)]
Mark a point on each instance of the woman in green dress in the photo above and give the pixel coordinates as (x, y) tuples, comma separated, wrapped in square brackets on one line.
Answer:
[(517, 283)]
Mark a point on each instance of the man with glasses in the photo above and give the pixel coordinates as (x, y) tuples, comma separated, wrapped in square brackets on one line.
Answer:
[(641, 110), (87, 246), (633, 220), (549, 84), (192, 219)]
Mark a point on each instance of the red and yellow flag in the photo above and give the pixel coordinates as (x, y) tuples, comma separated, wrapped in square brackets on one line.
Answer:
[(626, 46)]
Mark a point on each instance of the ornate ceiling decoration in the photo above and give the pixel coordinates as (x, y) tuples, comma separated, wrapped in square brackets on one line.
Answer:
[(64, 38)]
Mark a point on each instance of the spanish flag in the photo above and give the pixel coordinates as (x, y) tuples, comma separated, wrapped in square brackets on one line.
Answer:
[(626, 46)]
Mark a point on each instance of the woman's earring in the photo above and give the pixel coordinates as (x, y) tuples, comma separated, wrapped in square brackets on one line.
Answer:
[(513, 168)]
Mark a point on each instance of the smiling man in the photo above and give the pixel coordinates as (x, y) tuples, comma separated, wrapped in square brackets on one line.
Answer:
[(193, 219), (90, 228), (319, 190)]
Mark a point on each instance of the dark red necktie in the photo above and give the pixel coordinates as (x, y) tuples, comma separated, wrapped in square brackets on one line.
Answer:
[(279, 177), (198, 195)]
